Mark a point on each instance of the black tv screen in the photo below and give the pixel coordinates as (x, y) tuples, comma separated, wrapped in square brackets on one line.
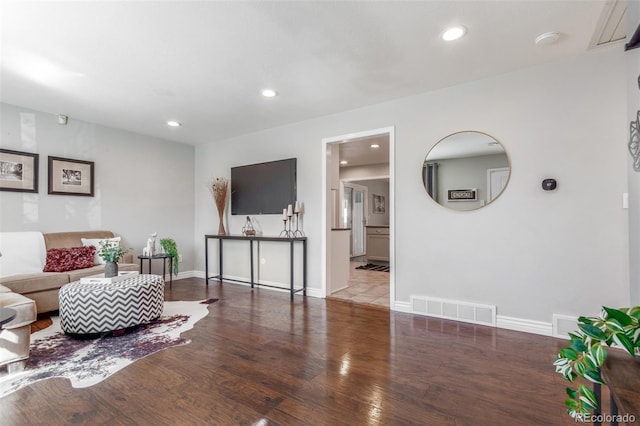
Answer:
[(264, 188)]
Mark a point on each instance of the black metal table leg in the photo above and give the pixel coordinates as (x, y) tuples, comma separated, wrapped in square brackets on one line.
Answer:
[(206, 260)]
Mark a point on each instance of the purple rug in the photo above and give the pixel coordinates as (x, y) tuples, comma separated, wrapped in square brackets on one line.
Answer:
[(86, 362)]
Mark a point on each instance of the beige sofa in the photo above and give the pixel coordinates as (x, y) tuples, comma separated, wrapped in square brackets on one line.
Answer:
[(42, 287), (15, 336)]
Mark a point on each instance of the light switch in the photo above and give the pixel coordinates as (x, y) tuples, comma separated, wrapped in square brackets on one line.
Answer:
[(625, 200)]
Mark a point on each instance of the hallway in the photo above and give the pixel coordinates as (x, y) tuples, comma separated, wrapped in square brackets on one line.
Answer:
[(368, 287)]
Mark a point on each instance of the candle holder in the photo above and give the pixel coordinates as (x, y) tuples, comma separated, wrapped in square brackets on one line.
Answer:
[(284, 232), (298, 232)]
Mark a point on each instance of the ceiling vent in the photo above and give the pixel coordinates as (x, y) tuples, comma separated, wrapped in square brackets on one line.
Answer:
[(611, 27)]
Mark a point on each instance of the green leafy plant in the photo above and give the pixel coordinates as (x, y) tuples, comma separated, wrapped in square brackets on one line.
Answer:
[(171, 248), (586, 353), (110, 251)]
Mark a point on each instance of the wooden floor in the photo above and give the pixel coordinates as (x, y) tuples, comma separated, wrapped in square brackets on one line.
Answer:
[(259, 359)]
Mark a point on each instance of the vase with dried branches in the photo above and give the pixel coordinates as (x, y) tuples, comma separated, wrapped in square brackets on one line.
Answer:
[(219, 187)]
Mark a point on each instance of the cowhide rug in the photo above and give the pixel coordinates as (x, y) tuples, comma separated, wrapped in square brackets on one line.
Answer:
[(86, 362)]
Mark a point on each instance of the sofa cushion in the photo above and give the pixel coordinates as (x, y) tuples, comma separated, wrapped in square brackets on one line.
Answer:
[(72, 239), (32, 283), (22, 253), (95, 242), (68, 259)]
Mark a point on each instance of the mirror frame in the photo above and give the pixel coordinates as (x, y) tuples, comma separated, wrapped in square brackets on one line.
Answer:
[(425, 159)]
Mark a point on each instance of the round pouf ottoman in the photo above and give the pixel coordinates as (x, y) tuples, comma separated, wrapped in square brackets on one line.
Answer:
[(89, 308)]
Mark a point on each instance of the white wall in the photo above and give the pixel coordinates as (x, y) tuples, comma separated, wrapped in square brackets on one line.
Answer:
[(532, 253), (142, 184), (633, 73)]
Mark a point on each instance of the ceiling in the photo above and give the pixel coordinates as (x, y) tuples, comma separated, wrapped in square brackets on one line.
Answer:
[(134, 65)]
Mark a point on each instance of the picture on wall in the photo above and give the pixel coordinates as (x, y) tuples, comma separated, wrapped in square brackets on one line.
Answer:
[(18, 171), (462, 194), (378, 204), (70, 177)]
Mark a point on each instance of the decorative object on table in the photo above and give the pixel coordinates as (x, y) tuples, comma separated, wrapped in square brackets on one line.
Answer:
[(70, 177), (247, 229), (150, 248), (86, 362), (287, 217), (219, 188), (101, 279), (18, 171), (170, 247), (297, 210), (634, 142), (586, 353), (111, 253)]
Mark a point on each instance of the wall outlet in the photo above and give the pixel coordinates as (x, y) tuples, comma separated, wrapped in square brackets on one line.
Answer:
[(263, 261), (179, 257)]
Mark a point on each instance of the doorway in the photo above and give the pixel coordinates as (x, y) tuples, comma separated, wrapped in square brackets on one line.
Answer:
[(341, 190)]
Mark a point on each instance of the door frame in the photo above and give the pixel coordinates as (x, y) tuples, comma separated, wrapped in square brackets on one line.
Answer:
[(327, 214)]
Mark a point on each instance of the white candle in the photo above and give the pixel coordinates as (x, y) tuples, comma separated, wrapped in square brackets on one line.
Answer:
[(297, 208), (284, 214), (290, 210)]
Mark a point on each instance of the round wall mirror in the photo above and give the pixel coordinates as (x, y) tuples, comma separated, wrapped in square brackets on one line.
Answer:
[(466, 170)]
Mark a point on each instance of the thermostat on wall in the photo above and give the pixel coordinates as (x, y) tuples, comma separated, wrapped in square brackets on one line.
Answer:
[(549, 184)]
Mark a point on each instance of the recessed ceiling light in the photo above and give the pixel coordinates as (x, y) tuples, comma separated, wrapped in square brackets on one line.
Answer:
[(269, 93), (547, 38), (173, 123), (344, 162), (454, 33), (375, 145)]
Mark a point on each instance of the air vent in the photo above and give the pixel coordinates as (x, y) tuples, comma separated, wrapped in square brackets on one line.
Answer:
[(611, 27), (455, 310), (563, 325)]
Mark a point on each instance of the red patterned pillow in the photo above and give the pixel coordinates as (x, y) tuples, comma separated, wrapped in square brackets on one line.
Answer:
[(68, 259)]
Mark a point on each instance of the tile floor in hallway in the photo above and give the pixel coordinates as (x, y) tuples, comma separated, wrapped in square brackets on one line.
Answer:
[(368, 287)]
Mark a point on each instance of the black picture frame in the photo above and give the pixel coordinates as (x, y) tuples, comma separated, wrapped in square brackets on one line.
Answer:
[(71, 177), (18, 171), (470, 194)]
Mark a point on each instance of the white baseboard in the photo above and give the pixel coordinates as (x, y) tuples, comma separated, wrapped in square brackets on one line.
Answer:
[(402, 307), (525, 325)]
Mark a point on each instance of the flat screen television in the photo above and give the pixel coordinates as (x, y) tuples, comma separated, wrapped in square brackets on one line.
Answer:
[(263, 188)]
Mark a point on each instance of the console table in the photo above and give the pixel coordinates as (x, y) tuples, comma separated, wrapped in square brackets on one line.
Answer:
[(251, 239)]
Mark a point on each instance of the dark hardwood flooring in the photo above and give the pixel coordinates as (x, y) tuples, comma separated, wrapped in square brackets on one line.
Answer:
[(259, 359)]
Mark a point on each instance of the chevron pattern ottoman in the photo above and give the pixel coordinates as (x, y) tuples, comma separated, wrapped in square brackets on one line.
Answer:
[(91, 308)]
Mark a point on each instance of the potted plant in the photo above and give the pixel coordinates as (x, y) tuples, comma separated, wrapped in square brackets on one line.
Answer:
[(111, 253), (170, 247), (586, 353)]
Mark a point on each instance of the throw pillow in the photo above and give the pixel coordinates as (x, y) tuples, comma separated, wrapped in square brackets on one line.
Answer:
[(69, 259), (95, 242)]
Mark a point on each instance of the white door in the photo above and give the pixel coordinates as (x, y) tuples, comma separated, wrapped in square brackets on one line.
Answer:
[(496, 181)]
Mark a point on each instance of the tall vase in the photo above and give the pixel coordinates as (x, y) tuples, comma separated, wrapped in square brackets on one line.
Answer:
[(110, 269), (221, 230)]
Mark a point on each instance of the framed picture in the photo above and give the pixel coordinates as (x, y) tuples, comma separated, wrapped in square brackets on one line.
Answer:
[(18, 171), (462, 194), (378, 204), (70, 177)]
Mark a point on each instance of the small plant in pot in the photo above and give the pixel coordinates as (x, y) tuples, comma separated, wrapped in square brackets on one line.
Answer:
[(170, 247), (111, 253)]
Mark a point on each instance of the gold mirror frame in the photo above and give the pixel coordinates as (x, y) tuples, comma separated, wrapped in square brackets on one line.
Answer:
[(466, 170)]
